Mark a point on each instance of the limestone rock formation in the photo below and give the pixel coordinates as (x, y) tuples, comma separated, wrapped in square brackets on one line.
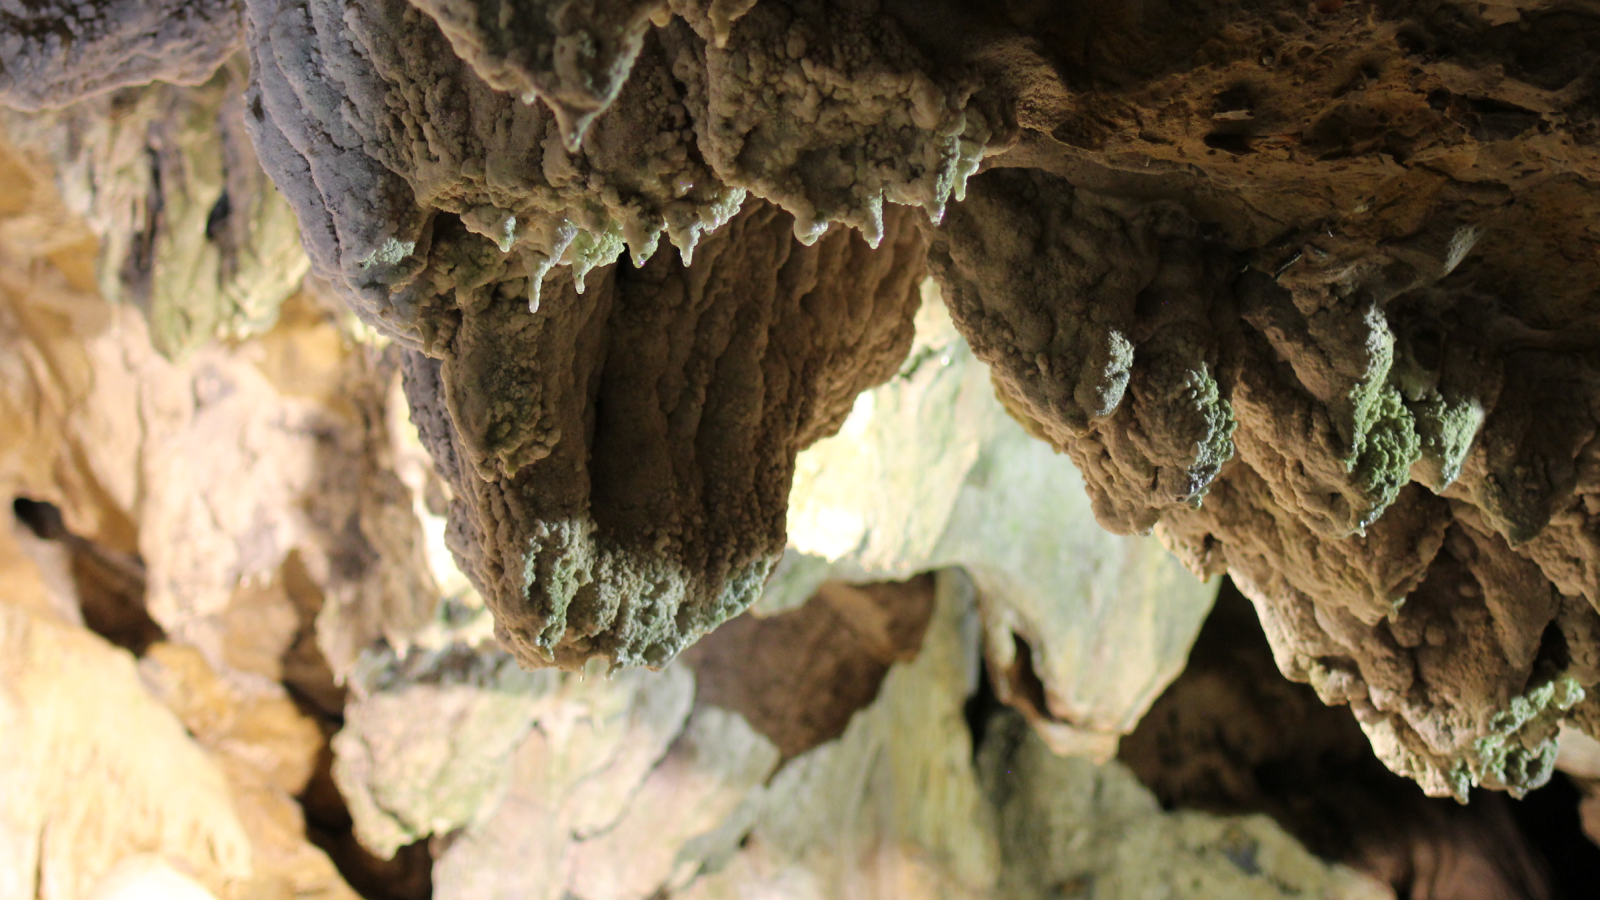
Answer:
[(1304, 289), (683, 773), (194, 800), (1082, 628), (191, 231), (57, 52), (1317, 285), (220, 517), (1284, 281), (179, 811), (620, 459), (1230, 737)]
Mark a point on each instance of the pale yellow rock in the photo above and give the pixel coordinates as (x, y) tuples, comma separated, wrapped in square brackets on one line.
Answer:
[(265, 732), (93, 770), (222, 471), (594, 743), (36, 576), (148, 878), (217, 475), (214, 469), (707, 772), (1579, 754)]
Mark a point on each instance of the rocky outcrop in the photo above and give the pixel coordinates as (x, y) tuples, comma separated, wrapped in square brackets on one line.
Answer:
[(1313, 290), (1230, 737), (57, 52), (200, 777), (1303, 289), (191, 231), (714, 779), (1284, 282), (448, 243)]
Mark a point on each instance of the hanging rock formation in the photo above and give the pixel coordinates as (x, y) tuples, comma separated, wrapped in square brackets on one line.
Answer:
[(620, 459), (1304, 289), (1315, 307)]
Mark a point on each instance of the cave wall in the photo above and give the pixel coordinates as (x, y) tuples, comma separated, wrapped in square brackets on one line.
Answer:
[(1303, 290)]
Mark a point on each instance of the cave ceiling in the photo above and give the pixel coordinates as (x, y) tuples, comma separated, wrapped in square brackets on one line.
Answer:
[(1312, 291)]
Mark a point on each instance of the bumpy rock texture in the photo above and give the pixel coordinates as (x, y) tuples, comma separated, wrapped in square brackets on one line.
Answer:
[(1304, 289), (58, 52), (1230, 737), (620, 459), (618, 438), (1313, 303)]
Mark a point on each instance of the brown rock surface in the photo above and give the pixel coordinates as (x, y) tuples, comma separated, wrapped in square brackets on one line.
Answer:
[(621, 460), (1231, 737), (1305, 289), (1324, 270)]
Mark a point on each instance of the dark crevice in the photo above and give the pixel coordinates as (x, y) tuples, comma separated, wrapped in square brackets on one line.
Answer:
[(1023, 685), (217, 219), (1228, 142), (109, 585), (1232, 736), (800, 677), (329, 826), (981, 707), (1549, 819), (311, 683)]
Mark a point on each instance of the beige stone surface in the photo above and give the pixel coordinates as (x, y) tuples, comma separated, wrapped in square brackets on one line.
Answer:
[(176, 774), (141, 877), (214, 469), (930, 471), (93, 769), (623, 790)]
